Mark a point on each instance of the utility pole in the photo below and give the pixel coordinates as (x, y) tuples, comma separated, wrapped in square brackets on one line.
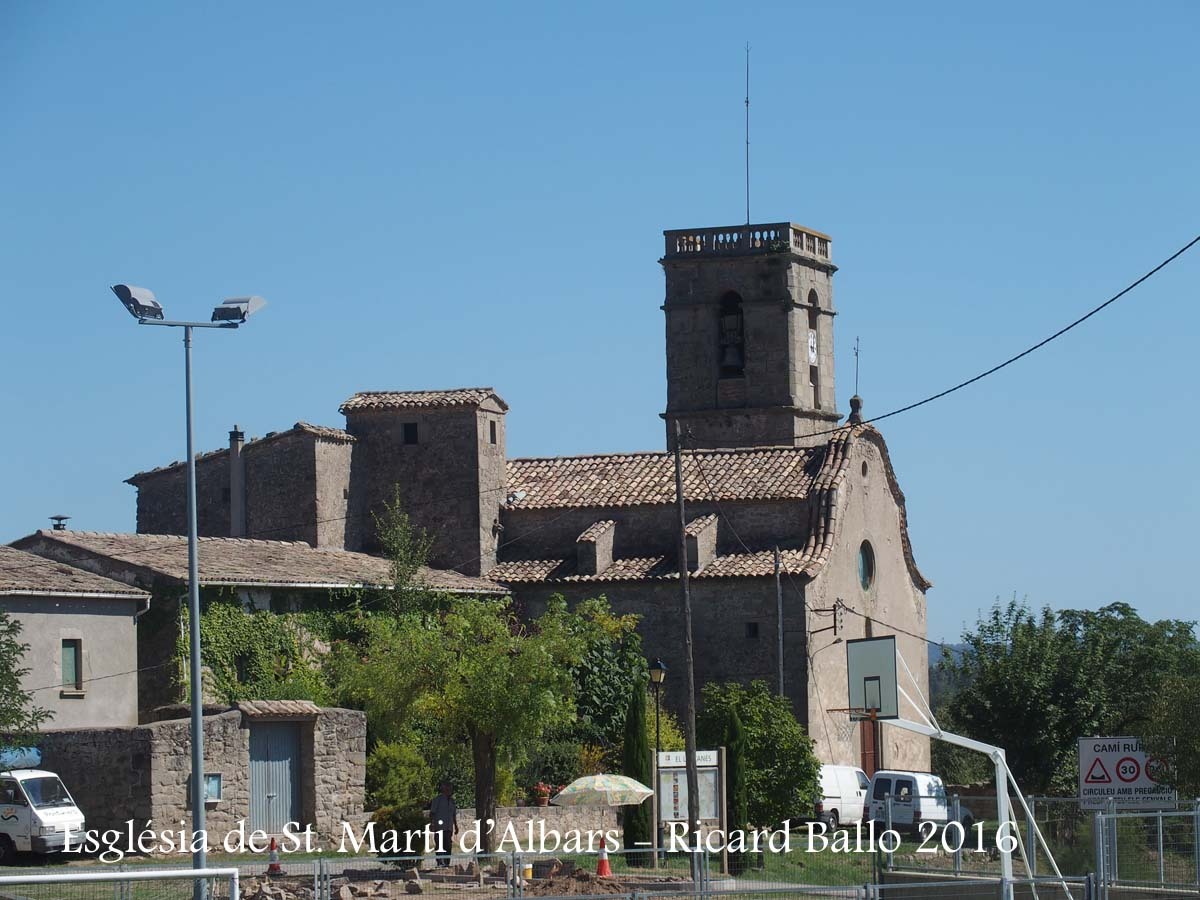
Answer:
[(689, 725), (779, 617)]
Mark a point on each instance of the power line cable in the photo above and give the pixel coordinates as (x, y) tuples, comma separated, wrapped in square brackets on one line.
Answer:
[(67, 687), (1042, 343)]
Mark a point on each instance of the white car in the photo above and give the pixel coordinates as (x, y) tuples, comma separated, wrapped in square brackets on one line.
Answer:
[(843, 795), (916, 797), (36, 813)]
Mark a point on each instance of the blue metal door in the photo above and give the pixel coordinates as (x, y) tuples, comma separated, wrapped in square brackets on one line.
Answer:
[(274, 776)]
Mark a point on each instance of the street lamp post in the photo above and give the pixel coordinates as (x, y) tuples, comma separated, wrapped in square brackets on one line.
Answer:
[(230, 313), (658, 674)]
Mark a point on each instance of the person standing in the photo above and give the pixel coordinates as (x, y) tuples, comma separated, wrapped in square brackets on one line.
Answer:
[(443, 821)]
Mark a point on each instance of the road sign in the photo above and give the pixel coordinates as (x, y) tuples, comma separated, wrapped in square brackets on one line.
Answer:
[(1118, 769)]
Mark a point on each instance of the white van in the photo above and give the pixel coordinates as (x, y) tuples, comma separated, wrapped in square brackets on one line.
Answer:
[(843, 795), (36, 813), (916, 797)]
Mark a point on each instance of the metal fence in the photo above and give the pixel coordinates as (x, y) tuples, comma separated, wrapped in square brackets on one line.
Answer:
[(224, 884), (141, 884), (1155, 854), (1149, 849)]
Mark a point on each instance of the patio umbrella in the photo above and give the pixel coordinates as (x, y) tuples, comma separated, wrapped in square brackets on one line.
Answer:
[(602, 790)]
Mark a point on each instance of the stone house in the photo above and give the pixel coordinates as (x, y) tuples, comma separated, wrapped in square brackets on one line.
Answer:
[(269, 762), (81, 630), (750, 387), (263, 575)]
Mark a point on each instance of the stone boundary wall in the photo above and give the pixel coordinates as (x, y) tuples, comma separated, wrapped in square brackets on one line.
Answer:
[(142, 772)]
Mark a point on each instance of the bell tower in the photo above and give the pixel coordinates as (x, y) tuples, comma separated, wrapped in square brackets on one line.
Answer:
[(749, 313)]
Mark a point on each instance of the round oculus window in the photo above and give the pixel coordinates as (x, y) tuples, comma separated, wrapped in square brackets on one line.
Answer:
[(866, 565)]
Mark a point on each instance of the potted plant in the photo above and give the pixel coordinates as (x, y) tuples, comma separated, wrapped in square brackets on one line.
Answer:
[(541, 791)]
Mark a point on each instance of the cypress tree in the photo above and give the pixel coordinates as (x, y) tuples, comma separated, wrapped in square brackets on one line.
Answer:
[(635, 763), (735, 784)]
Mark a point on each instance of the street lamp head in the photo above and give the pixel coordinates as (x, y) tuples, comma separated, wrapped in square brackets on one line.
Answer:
[(658, 671), (237, 309), (139, 301)]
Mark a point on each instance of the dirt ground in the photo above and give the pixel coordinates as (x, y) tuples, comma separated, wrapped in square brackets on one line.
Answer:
[(578, 882)]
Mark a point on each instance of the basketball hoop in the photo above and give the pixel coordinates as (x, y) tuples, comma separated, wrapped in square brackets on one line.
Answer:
[(854, 715)]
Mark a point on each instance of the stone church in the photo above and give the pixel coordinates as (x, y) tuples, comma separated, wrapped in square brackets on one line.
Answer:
[(796, 532)]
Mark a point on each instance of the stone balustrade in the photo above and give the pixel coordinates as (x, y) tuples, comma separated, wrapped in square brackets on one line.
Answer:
[(738, 240)]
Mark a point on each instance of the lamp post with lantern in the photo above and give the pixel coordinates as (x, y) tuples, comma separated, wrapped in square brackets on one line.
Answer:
[(658, 674)]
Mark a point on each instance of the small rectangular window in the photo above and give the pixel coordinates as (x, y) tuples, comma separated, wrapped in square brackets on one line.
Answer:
[(814, 380), (410, 432), (752, 631), (883, 787), (492, 431), (72, 664)]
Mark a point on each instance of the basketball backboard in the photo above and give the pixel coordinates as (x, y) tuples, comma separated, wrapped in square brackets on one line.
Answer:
[(871, 674)]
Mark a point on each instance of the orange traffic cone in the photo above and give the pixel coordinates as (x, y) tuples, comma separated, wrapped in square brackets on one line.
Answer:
[(603, 869), (273, 866)]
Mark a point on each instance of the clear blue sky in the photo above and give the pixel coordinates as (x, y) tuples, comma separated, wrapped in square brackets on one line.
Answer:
[(441, 195)]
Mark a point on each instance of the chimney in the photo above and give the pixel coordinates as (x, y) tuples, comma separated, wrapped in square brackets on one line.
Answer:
[(594, 548), (237, 484), (701, 540), (60, 522)]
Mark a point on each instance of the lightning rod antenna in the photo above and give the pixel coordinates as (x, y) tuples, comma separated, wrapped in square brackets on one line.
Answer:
[(747, 136), (856, 365)]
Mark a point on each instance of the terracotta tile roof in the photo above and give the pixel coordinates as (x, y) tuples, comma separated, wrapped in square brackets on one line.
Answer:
[(635, 479), (24, 573), (320, 432), (244, 561), (593, 531), (747, 474), (421, 399), (698, 524), (759, 564), (278, 709)]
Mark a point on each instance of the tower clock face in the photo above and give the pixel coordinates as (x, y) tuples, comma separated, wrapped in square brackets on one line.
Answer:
[(812, 346)]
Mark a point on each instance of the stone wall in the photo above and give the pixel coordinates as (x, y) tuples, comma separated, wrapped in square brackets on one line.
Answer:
[(281, 488), (107, 771), (296, 484), (338, 770), (773, 402), (332, 493), (143, 771), (451, 481), (162, 498), (868, 510)]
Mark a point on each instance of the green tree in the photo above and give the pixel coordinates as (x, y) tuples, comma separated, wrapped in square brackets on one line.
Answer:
[(781, 768), (612, 662), (406, 547), (1024, 691), (1034, 683), (735, 784), (19, 716), (636, 764), (1173, 732), (474, 670), (399, 784)]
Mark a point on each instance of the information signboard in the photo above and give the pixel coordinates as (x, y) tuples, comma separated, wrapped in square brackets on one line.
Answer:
[(1118, 770), (672, 786)]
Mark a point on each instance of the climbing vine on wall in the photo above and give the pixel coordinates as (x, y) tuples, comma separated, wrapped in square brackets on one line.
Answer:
[(267, 655)]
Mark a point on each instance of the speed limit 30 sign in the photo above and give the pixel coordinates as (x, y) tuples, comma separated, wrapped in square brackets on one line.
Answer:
[(1117, 769)]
